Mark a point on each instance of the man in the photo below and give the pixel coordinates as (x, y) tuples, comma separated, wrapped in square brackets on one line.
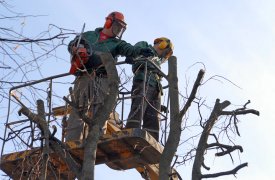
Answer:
[(91, 82), (163, 49)]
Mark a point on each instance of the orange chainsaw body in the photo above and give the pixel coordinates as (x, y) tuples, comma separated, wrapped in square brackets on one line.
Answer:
[(80, 57)]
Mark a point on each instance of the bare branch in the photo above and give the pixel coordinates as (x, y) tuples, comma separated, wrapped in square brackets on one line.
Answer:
[(205, 167), (214, 77), (202, 146), (229, 148), (54, 143), (58, 36), (193, 93), (242, 112), (232, 172)]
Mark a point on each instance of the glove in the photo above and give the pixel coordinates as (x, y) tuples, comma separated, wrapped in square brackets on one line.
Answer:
[(81, 52), (146, 52), (164, 109), (129, 60)]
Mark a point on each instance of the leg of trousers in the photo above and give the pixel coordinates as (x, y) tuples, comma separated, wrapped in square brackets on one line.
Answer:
[(88, 92), (150, 109)]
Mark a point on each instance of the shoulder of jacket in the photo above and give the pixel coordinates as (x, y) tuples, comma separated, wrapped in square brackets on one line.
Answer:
[(142, 44), (97, 30)]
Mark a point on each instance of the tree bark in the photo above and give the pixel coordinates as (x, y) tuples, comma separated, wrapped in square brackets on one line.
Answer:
[(98, 121), (54, 143), (175, 118), (175, 128), (203, 146), (199, 158), (44, 142)]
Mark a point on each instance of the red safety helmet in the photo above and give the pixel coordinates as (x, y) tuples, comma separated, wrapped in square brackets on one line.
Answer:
[(115, 16), (116, 21)]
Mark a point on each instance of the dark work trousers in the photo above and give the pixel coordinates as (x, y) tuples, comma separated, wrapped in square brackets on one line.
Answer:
[(151, 107), (88, 91)]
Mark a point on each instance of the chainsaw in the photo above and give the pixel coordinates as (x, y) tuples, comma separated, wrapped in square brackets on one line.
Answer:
[(79, 54)]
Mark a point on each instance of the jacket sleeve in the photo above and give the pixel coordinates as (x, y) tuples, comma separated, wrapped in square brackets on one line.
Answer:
[(83, 41), (126, 49), (142, 44)]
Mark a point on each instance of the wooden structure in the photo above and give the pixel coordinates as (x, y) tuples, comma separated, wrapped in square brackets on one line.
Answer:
[(121, 150)]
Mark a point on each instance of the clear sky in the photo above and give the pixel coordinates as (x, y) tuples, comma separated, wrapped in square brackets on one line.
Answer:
[(234, 39)]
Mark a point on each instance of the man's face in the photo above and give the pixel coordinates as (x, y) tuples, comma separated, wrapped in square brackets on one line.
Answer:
[(118, 28)]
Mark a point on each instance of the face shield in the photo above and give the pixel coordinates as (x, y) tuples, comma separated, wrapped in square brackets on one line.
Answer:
[(118, 28), (165, 54)]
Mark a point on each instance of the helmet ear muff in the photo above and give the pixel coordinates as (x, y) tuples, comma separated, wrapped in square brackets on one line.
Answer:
[(163, 44), (108, 23)]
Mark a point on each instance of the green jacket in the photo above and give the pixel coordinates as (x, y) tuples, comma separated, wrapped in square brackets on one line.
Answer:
[(138, 69), (113, 45)]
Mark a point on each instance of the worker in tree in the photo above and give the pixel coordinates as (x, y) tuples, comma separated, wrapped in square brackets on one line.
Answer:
[(163, 49), (91, 82)]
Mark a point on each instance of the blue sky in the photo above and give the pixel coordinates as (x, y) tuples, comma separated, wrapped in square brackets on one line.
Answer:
[(234, 39)]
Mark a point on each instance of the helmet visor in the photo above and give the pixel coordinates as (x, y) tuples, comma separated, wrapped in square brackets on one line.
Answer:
[(169, 54), (118, 28), (166, 53)]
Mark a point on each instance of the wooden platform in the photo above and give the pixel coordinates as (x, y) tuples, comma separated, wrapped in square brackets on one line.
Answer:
[(121, 150)]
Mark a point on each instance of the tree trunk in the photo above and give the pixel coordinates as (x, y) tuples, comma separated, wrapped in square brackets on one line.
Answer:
[(175, 123), (202, 146), (175, 118), (98, 121)]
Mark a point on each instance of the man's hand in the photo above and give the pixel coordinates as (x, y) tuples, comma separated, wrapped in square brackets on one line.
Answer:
[(146, 52), (80, 53)]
